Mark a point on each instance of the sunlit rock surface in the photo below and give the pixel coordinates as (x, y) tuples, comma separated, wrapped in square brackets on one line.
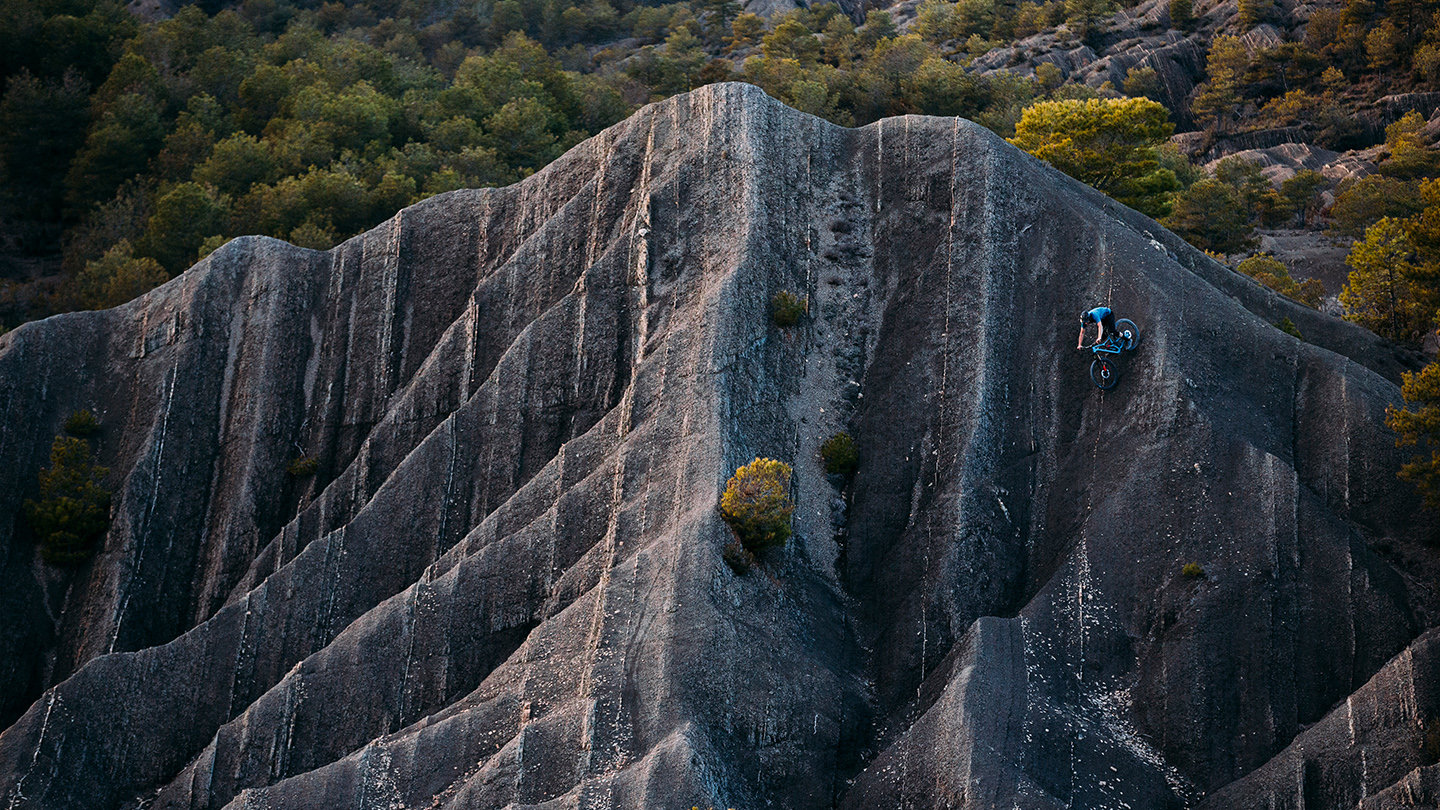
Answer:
[(503, 586)]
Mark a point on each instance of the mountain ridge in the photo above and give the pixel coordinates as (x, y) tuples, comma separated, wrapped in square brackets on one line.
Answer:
[(510, 578)]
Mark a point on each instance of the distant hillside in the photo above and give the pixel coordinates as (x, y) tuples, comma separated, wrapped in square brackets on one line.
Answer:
[(135, 139)]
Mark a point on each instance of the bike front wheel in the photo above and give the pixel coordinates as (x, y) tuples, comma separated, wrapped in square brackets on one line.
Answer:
[(1129, 333), (1105, 373)]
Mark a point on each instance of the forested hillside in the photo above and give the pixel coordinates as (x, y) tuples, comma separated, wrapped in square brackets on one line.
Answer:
[(130, 147)]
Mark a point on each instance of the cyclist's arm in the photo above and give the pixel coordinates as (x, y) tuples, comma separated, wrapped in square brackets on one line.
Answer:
[(1080, 344)]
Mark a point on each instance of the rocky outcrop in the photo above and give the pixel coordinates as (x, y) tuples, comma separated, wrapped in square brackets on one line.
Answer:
[(504, 584), (1280, 163), (1384, 739)]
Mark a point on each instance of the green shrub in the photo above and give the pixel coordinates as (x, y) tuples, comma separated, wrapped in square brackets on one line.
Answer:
[(303, 467), (787, 308), (1288, 327), (1192, 570), (1273, 273), (74, 507), (839, 454), (757, 504), (82, 424)]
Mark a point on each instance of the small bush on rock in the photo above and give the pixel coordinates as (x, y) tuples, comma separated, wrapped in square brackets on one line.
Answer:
[(738, 557), (787, 308), (74, 507), (303, 467), (1288, 327), (757, 504), (82, 424), (1192, 570), (839, 454)]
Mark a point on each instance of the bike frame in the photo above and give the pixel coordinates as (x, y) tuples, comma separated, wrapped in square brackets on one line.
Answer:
[(1111, 345)]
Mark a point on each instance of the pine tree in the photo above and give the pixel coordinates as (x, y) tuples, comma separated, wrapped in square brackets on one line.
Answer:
[(74, 507), (1383, 293), (1218, 98), (1419, 425)]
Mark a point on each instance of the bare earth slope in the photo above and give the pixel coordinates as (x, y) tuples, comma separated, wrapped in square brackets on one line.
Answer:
[(504, 585)]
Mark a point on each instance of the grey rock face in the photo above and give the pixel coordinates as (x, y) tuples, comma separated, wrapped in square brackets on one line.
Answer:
[(504, 584)]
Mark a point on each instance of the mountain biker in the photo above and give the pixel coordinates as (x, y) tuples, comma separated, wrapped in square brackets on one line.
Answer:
[(1104, 320)]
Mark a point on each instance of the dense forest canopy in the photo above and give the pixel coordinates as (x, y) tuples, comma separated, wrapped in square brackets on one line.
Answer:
[(135, 147)]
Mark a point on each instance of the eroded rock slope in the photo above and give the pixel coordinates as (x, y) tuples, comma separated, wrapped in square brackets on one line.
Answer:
[(504, 587)]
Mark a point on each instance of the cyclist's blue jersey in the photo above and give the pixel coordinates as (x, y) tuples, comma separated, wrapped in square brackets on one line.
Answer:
[(1096, 315)]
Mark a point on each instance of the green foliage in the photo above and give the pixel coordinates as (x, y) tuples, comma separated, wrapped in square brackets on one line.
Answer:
[(1369, 199), (1387, 291), (1109, 143), (1427, 64), (129, 132), (184, 217), (312, 122), (745, 32), (1217, 100), (303, 467), (1254, 12), (787, 308), (1273, 273), (116, 277), (81, 424), (839, 454), (1182, 13), (1143, 82), (1418, 425), (1301, 193), (1267, 206), (74, 506), (1383, 46), (1211, 215), (1288, 327), (1192, 570), (757, 505), (235, 164), (1409, 157), (1083, 17)]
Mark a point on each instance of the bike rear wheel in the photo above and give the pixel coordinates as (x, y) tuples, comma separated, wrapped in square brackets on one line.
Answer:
[(1104, 372), (1129, 333)]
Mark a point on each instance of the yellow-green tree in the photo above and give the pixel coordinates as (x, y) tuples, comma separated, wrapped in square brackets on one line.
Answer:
[(745, 32), (1111, 144), (1217, 100), (1273, 273), (1419, 426), (1361, 203), (757, 504), (1409, 155), (1386, 292)]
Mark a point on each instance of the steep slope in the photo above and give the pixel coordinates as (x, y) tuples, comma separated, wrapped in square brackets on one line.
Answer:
[(504, 585)]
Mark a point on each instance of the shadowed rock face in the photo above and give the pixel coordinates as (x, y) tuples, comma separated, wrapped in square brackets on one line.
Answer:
[(504, 584)]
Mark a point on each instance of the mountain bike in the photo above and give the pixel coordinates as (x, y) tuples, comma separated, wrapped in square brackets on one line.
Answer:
[(1105, 368)]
